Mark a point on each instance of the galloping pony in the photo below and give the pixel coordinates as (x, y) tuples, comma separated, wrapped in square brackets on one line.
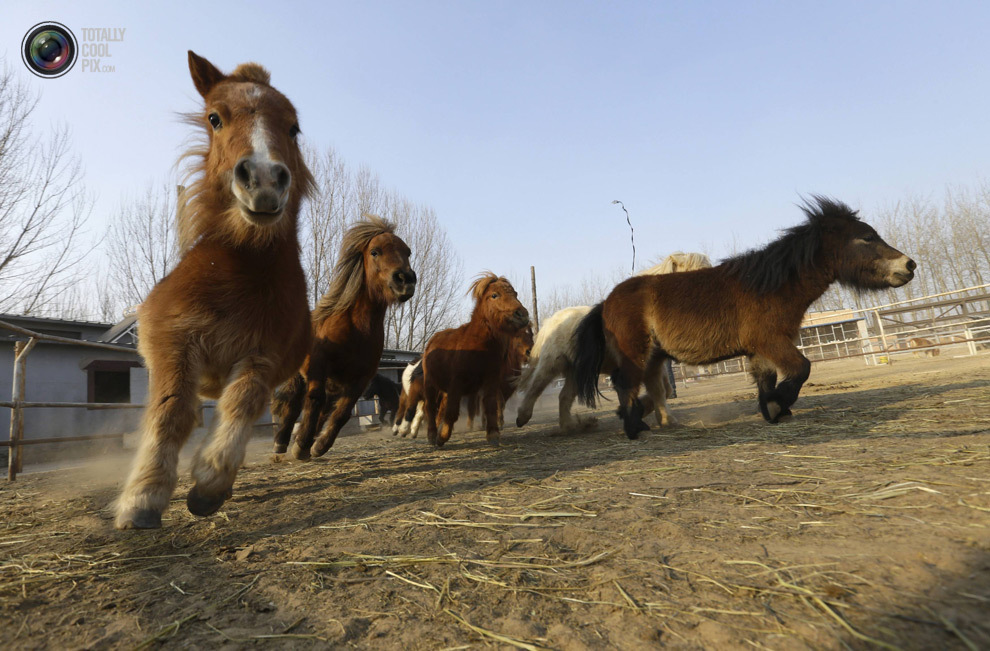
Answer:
[(470, 359), (231, 320), (750, 305), (554, 352), (388, 397), (372, 273)]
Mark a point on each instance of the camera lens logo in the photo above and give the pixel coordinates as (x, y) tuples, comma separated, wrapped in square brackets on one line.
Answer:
[(49, 49)]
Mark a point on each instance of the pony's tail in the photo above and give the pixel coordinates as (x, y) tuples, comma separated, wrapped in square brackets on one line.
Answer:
[(589, 345)]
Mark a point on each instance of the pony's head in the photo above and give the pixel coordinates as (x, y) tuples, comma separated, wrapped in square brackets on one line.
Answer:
[(522, 346), (853, 249), (374, 258), (252, 170), (496, 304), (386, 265)]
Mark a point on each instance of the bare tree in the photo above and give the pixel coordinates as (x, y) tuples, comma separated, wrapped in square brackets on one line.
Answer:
[(323, 218), (43, 207), (439, 278), (141, 243)]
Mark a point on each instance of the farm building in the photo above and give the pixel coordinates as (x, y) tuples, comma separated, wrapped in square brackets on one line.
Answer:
[(60, 372)]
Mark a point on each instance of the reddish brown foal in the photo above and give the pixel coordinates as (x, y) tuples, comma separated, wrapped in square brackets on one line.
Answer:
[(231, 320), (470, 359)]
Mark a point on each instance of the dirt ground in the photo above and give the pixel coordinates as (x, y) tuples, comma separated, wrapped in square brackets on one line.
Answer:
[(862, 522)]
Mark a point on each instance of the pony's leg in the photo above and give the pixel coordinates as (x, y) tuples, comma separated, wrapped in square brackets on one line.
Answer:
[(654, 379), (795, 368), (217, 461), (565, 402), (542, 376), (399, 414), (492, 416), (417, 418), (448, 416), (316, 396), (168, 420), (764, 375), (626, 379), (341, 414), (288, 403), (473, 403)]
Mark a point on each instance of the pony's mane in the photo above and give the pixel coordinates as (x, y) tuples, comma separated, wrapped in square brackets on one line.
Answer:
[(766, 270), (348, 273), (480, 285), (678, 261), (195, 217)]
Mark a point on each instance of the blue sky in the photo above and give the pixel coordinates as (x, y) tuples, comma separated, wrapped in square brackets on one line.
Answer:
[(521, 122)]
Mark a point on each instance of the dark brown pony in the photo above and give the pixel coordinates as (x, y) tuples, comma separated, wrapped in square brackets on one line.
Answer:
[(749, 305), (372, 273), (231, 320), (470, 359), (388, 397)]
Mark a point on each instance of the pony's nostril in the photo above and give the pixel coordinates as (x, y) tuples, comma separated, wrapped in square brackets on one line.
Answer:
[(411, 276), (912, 265), (282, 177), (244, 173)]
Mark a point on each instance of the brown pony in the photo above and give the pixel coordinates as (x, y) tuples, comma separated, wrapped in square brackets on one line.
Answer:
[(372, 273), (516, 357), (231, 320), (470, 359), (750, 305)]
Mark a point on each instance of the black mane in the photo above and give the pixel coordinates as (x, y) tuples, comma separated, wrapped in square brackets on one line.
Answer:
[(766, 270)]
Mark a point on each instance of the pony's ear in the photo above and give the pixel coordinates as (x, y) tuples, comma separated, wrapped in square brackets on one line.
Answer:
[(204, 74)]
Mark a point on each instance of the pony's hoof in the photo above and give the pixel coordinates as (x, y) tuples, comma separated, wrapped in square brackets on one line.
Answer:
[(135, 518), (280, 448), (493, 441), (300, 453), (320, 447), (521, 420), (773, 412), (204, 505), (633, 433)]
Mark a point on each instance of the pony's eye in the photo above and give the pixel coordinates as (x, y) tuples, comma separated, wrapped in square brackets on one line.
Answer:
[(494, 296), (375, 253), (215, 121), (869, 238), (294, 131)]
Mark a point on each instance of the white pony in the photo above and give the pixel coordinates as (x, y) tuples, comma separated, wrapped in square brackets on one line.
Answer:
[(553, 355)]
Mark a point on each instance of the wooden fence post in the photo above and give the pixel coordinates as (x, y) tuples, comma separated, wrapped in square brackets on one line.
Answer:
[(15, 463)]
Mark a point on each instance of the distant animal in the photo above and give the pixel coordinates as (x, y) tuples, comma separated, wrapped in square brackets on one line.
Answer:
[(387, 393), (471, 358), (554, 353), (751, 304), (372, 273), (928, 346), (231, 321)]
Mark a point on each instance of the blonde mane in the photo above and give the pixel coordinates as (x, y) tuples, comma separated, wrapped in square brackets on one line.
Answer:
[(678, 262), (348, 273)]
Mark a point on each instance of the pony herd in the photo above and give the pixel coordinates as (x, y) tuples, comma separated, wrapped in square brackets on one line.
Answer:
[(231, 321)]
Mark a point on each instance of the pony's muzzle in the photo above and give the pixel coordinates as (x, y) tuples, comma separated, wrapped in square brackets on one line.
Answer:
[(404, 284), (262, 187), (902, 271), (520, 318)]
